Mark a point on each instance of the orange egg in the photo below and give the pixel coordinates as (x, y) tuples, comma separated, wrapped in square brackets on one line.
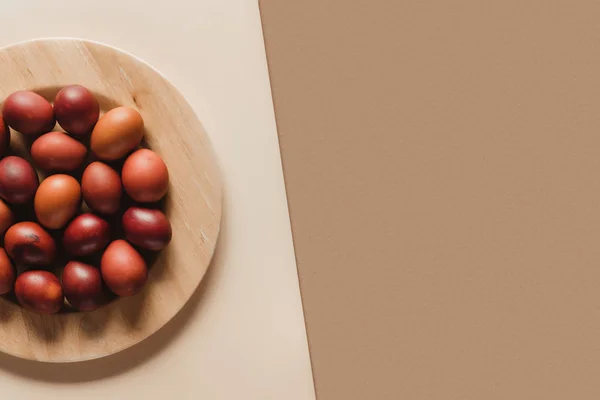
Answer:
[(7, 217), (116, 133), (123, 269), (57, 200), (145, 176), (7, 273), (39, 291)]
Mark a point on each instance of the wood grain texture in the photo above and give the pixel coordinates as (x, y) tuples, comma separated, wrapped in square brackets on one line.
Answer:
[(193, 204)]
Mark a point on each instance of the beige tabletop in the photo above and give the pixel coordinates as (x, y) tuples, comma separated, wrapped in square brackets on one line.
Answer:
[(242, 335)]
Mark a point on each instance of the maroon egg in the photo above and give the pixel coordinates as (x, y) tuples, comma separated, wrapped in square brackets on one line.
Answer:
[(28, 243), (18, 180), (4, 137), (7, 273), (86, 234), (77, 110), (147, 228), (123, 269), (28, 113), (39, 291), (101, 188), (82, 286)]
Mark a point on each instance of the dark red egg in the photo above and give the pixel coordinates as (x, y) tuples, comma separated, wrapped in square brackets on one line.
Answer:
[(86, 234), (28, 113), (101, 188), (77, 110), (57, 151), (82, 286), (147, 228), (27, 243), (18, 180)]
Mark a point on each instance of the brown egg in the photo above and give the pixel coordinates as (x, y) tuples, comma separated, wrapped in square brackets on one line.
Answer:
[(76, 110), (39, 291), (7, 273), (101, 188), (86, 234), (82, 286), (6, 217), (123, 269), (28, 243), (28, 113), (57, 200), (117, 133), (18, 180), (4, 137), (56, 151), (147, 228), (145, 176)]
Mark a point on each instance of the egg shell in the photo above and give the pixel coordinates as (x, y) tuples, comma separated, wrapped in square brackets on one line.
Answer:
[(28, 113), (57, 200), (7, 217), (145, 176), (117, 132), (27, 243), (76, 110), (101, 188), (7, 273), (56, 151), (123, 269), (4, 137), (39, 291), (147, 228), (86, 234), (18, 180), (82, 286)]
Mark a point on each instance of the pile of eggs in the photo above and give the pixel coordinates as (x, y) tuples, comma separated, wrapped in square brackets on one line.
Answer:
[(84, 231)]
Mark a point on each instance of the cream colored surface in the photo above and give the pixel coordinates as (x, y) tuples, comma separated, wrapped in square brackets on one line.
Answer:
[(241, 336), (193, 204)]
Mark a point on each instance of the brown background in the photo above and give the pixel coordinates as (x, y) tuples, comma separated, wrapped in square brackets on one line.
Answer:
[(442, 162)]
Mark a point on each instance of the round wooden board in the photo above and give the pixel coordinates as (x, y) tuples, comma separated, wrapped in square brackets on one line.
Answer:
[(193, 204)]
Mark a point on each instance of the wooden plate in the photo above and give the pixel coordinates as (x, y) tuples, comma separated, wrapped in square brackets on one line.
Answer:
[(193, 204)]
